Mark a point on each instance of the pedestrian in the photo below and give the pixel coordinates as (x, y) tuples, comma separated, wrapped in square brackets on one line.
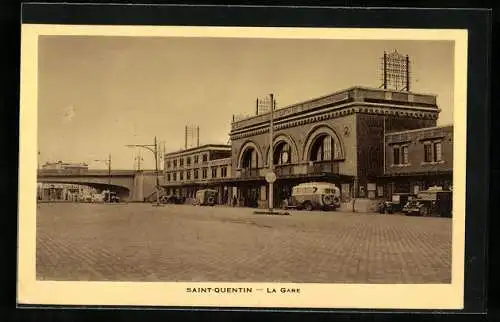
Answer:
[(235, 201)]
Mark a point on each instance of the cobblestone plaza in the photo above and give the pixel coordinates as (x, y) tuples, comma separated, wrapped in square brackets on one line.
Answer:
[(139, 242)]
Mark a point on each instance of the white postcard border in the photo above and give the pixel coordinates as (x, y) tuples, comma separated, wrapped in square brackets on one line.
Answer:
[(373, 296)]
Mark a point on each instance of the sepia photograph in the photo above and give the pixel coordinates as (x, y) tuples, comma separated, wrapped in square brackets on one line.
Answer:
[(251, 164)]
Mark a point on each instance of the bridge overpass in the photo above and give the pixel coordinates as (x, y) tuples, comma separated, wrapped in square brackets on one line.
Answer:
[(131, 185)]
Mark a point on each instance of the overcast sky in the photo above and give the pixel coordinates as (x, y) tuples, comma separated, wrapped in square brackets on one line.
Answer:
[(97, 94)]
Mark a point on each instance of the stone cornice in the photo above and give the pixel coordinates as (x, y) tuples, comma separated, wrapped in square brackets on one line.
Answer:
[(197, 151), (357, 105), (356, 94), (367, 108)]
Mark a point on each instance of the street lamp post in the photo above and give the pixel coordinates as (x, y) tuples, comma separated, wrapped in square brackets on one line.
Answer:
[(153, 148), (270, 175), (139, 159), (271, 152), (108, 163)]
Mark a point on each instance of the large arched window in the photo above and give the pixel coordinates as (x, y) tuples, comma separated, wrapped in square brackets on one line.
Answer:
[(282, 154), (249, 159), (323, 148)]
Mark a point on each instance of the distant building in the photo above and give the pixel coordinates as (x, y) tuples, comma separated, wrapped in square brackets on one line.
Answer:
[(418, 159), (59, 165), (63, 191), (206, 166)]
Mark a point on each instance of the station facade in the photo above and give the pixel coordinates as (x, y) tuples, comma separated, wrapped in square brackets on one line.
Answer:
[(336, 138), (370, 142)]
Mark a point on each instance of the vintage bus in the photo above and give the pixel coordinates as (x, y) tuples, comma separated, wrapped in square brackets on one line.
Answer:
[(314, 195)]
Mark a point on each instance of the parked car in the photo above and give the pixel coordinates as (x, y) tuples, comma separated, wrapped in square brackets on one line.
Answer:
[(414, 208), (85, 197), (314, 195), (396, 204), (110, 196), (431, 202), (172, 199), (206, 197), (98, 197)]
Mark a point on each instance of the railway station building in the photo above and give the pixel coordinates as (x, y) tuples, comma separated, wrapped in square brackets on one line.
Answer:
[(337, 138)]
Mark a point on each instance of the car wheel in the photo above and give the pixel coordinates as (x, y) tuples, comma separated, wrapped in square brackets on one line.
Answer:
[(424, 212), (308, 206)]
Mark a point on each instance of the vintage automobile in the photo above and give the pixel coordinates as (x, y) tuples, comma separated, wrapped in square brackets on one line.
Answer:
[(205, 197), (110, 196), (98, 197), (85, 197), (431, 202), (314, 195), (414, 208), (396, 204), (172, 199)]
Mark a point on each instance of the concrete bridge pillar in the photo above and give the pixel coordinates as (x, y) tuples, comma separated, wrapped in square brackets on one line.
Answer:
[(138, 188)]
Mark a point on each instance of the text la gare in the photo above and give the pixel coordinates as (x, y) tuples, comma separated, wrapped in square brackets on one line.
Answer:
[(282, 290)]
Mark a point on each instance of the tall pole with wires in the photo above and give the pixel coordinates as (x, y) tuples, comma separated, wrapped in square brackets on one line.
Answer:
[(109, 170), (271, 177), (156, 174), (139, 158), (108, 163)]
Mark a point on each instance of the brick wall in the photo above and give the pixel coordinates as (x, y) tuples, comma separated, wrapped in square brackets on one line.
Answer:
[(370, 133), (415, 142), (395, 123), (215, 155)]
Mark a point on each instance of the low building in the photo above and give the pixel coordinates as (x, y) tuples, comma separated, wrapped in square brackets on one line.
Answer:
[(418, 159), (203, 167), (59, 165), (62, 191)]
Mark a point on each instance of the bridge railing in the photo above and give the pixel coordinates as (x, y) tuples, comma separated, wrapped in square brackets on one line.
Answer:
[(82, 172)]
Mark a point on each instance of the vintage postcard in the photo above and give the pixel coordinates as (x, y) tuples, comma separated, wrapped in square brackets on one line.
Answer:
[(242, 167)]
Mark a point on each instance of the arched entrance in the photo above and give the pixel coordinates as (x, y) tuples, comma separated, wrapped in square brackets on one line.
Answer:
[(249, 162), (324, 151), (282, 160), (250, 159)]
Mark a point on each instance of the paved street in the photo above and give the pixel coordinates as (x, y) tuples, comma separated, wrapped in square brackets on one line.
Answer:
[(139, 242)]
